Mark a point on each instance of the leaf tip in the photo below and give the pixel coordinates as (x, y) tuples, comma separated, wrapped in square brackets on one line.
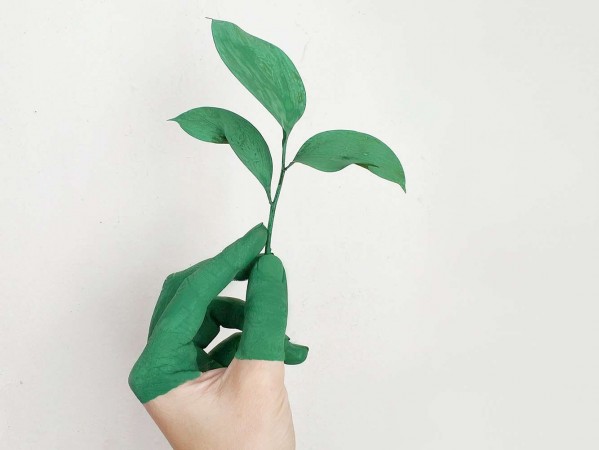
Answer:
[(402, 184)]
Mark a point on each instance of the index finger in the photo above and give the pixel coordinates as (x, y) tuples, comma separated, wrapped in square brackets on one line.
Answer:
[(185, 312)]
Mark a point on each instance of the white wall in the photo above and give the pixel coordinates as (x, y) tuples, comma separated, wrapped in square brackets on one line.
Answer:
[(461, 315)]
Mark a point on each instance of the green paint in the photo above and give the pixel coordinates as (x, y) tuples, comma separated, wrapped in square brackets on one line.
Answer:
[(221, 126), (275, 201), (334, 150), (224, 352), (266, 312), (189, 314), (264, 69), (268, 73)]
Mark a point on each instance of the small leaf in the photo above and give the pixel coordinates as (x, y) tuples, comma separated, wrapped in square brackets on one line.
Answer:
[(334, 150), (221, 127), (264, 69)]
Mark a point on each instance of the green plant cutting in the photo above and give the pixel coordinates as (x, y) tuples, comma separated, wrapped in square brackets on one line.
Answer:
[(175, 351), (268, 73)]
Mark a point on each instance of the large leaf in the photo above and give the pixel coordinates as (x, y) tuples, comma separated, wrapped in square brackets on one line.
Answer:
[(225, 127), (264, 70), (334, 150)]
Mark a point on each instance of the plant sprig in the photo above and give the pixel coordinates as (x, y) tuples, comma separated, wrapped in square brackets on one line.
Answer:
[(268, 73)]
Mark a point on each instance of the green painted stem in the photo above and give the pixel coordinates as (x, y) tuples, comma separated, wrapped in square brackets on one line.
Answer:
[(273, 204)]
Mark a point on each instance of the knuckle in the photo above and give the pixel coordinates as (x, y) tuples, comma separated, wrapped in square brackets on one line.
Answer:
[(169, 280), (139, 377)]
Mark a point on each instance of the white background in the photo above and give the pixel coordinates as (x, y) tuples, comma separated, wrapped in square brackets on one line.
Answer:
[(461, 315)]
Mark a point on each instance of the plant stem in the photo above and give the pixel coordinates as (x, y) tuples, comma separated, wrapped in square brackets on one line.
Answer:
[(273, 204)]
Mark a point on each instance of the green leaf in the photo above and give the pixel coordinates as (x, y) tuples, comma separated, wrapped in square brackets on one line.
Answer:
[(225, 127), (334, 150), (264, 69)]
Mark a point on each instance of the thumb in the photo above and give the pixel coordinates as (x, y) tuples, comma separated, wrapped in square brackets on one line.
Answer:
[(263, 334)]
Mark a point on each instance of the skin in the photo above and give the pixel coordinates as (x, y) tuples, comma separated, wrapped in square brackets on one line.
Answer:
[(234, 396), (244, 406)]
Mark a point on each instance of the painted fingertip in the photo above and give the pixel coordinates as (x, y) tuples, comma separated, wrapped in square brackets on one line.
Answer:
[(296, 354), (259, 230), (269, 266), (258, 225)]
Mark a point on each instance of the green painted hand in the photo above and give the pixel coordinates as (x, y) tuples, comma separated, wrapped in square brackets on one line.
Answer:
[(189, 314)]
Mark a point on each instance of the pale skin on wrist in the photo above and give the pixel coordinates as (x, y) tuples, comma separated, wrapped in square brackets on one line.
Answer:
[(242, 407)]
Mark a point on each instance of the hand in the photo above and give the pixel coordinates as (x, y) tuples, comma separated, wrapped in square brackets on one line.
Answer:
[(234, 397)]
